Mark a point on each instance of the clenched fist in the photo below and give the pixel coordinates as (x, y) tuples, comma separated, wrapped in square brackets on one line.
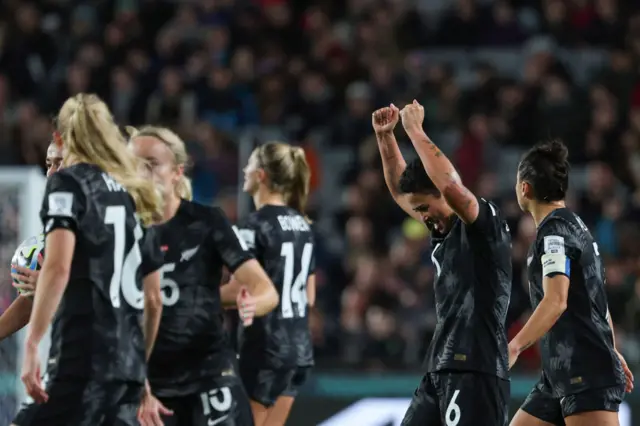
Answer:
[(412, 117), (385, 119)]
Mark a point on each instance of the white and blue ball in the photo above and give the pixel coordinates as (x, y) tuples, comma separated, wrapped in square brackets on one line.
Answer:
[(27, 255)]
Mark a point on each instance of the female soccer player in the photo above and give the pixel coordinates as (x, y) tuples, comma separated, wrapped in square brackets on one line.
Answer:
[(584, 377), (98, 256), (192, 372), (276, 353), (18, 313)]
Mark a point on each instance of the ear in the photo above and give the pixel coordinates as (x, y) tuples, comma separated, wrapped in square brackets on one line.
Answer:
[(527, 190), (262, 175)]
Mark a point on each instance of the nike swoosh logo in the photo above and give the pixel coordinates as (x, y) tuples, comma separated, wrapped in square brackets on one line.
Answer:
[(214, 422)]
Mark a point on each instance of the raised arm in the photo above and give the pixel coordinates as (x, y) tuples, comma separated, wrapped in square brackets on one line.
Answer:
[(438, 166), (384, 121)]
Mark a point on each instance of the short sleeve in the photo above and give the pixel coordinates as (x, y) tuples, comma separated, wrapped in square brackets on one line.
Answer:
[(249, 232), (556, 246), (489, 221), (152, 255), (227, 241), (64, 203)]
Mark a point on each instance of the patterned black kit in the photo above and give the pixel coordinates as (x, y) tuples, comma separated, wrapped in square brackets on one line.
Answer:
[(276, 353), (581, 371), (192, 368), (467, 362), (96, 367)]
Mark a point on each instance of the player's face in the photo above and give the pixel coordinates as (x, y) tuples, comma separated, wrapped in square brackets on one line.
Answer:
[(252, 175), (54, 159), (159, 162), (435, 211)]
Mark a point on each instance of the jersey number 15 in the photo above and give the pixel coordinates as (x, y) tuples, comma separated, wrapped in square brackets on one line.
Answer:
[(294, 291)]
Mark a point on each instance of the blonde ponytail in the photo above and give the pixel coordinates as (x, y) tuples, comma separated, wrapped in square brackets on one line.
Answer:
[(90, 135), (184, 189), (297, 196)]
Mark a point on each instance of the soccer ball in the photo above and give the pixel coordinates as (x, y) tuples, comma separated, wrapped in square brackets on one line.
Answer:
[(27, 255)]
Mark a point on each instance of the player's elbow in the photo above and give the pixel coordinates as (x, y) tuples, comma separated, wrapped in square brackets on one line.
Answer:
[(152, 293), (557, 304)]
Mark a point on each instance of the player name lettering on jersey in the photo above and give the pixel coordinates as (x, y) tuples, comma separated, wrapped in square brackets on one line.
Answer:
[(294, 223), (111, 183)]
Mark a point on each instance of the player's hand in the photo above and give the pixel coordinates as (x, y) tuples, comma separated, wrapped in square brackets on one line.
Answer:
[(31, 374), (412, 116), (151, 410), (627, 373), (385, 119), (27, 278), (513, 355), (246, 307)]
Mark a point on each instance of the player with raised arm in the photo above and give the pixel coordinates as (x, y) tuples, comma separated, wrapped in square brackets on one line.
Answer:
[(276, 352), (17, 314), (98, 256), (192, 371), (583, 375), (467, 377)]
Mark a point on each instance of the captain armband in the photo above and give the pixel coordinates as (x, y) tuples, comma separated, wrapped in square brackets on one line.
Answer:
[(555, 263)]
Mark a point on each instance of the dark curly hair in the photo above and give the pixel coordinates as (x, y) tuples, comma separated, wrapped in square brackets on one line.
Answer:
[(545, 167), (415, 180)]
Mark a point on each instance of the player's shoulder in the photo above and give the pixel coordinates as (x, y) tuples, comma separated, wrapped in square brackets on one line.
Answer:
[(562, 228), (199, 211)]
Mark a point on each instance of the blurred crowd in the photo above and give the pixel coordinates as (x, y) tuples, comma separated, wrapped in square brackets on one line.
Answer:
[(227, 73)]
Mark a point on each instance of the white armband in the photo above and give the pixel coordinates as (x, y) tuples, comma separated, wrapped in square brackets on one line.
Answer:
[(555, 263)]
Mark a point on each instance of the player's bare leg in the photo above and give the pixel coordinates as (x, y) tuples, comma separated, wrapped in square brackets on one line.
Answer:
[(279, 413), (600, 418), (522, 418), (260, 413)]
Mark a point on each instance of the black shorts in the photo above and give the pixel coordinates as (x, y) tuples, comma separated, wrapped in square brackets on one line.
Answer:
[(542, 404), (265, 385), (84, 404), (222, 403), (459, 398)]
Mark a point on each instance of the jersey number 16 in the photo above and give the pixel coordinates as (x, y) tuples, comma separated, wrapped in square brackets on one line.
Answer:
[(294, 291)]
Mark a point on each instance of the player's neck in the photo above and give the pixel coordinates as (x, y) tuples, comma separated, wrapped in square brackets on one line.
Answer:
[(542, 210), (264, 197), (170, 208)]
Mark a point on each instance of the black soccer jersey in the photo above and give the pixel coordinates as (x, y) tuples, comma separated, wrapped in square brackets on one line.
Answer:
[(578, 351), (472, 291), (96, 331), (192, 346), (282, 241)]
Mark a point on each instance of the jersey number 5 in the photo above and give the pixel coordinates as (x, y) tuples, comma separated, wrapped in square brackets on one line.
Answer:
[(124, 267), (295, 291)]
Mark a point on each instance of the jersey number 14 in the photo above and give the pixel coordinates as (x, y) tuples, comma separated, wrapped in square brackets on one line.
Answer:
[(294, 291)]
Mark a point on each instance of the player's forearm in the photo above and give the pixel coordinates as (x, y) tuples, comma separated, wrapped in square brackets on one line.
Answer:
[(16, 316), (393, 163), (540, 322), (151, 323), (51, 285), (266, 298), (444, 176)]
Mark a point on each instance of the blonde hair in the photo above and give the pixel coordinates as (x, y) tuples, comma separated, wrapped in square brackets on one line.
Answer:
[(176, 146), (90, 135), (288, 172)]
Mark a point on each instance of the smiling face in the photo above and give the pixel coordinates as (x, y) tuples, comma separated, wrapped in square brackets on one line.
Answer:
[(54, 159), (434, 210), (159, 162)]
